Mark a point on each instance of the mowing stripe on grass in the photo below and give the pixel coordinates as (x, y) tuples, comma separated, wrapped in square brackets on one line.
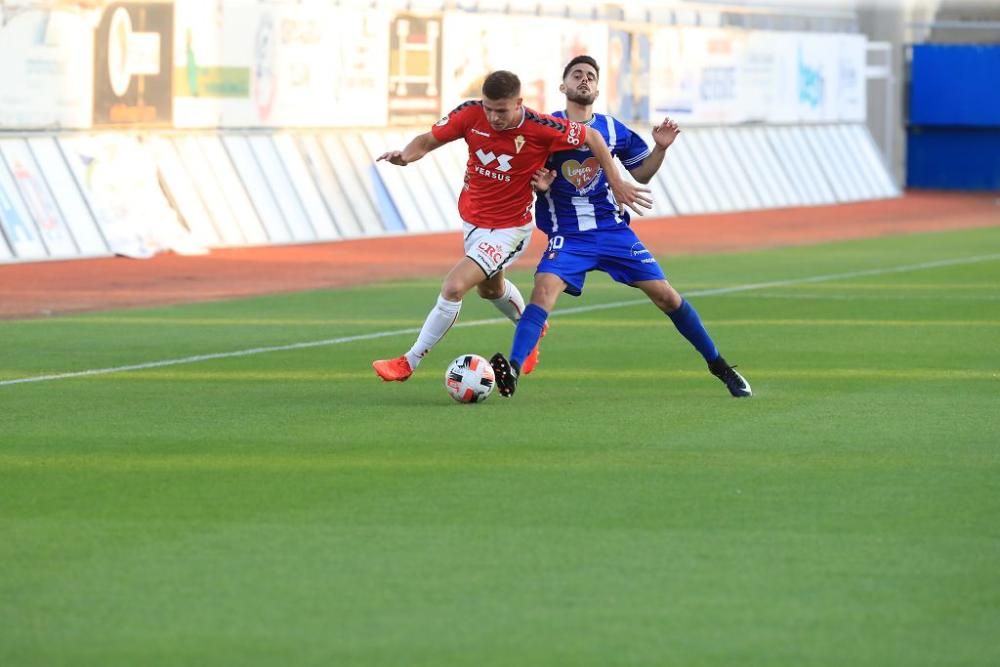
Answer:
[(565, 311)]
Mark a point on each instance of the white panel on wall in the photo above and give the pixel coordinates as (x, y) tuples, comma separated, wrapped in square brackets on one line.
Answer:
[(662, 204), (47, 77), (281, 185), (829, 162), (257, 187), (865, 146), (183, 192), (353, 184), (304, 185), (743, 193), (788, 194), (661, 200), (452, 159), (756, 170), (38, 198), (457, 154), (847, 161), (790, 158), (685, 175), (446, 167), (439, 174), (801, 166), (864, 186), (412, 203), (233, 189), (811, 162), (711, 167), (329, 186), (429, 189), (701, 192), (674, 179), (210, 189), (120, 181), (18, 227), (355, 154), (831, 168), (74, 207), (745, 153), (5, 252)]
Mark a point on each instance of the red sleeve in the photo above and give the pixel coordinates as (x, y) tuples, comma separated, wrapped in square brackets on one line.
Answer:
[(563, 134), (453, 126)]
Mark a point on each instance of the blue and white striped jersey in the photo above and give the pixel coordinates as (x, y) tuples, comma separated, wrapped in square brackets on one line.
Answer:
[(580, 199)]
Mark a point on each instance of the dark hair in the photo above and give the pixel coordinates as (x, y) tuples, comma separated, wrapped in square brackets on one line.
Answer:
[(501, 85), (586, 60)]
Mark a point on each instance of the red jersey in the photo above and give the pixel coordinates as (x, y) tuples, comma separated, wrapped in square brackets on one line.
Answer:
[(497, 191)]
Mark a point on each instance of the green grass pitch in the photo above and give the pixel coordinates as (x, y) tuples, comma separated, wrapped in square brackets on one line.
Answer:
[(287, 508)]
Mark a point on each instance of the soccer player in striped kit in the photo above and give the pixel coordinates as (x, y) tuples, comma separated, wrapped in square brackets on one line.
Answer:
[(508, 144), (589, 231)]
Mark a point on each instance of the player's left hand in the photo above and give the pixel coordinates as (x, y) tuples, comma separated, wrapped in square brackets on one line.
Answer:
[(665, 133), (631, 195), (542, 179)]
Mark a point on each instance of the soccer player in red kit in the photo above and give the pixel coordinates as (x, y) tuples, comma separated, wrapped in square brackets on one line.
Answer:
[(508, 144)]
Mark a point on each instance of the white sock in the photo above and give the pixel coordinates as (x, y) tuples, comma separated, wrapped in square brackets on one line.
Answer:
[(438, 321), (511, 303)]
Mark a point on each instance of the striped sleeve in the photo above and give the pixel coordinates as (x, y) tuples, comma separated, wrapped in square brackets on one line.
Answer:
[(632, 149)]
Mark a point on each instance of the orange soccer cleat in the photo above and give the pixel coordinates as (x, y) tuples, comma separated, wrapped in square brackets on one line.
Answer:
[(393, 370), (532, 359)]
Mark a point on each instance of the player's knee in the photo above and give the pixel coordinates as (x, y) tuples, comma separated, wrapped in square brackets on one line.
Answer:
[(488, 291), (668, 300), (545, 297), (452, 291)]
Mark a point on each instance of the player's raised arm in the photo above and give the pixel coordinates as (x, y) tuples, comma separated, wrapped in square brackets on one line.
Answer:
[(663, 136), (421, 145), (626, 194)]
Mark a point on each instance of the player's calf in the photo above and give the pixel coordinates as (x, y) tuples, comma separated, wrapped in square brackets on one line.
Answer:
[(531, 360)]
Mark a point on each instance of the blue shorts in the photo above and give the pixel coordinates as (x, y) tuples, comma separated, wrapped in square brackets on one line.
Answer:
[(617, 252)]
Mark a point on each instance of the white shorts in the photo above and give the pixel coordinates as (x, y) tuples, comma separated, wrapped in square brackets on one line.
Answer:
[(496, 249)]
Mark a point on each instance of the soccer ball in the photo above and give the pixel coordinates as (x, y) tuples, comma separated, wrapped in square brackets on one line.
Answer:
[(469, 379)]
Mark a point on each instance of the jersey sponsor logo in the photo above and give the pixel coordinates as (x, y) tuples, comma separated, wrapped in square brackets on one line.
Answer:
[(497, 173), (573, 137), (504, 178), (581, 175), (487, 159)]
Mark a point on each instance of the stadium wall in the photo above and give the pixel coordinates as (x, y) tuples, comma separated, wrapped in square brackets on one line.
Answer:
[(201, 125), (65, 195)]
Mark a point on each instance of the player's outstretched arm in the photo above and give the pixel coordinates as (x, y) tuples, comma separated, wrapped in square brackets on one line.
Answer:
[(663, 136), (626, 194), (421, 145)]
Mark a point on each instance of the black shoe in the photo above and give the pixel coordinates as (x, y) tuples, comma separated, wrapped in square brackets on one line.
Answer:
[(506, 374), (735, 383)]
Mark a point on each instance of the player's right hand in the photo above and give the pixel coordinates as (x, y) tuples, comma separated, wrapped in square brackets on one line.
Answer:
[(631, 195), (393, 157)]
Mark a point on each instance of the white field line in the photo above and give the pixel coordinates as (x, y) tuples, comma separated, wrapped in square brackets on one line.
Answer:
[(562, 311)]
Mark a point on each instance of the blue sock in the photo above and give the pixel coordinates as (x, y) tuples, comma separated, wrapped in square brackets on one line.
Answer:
[(529, 330), (688, 322)]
